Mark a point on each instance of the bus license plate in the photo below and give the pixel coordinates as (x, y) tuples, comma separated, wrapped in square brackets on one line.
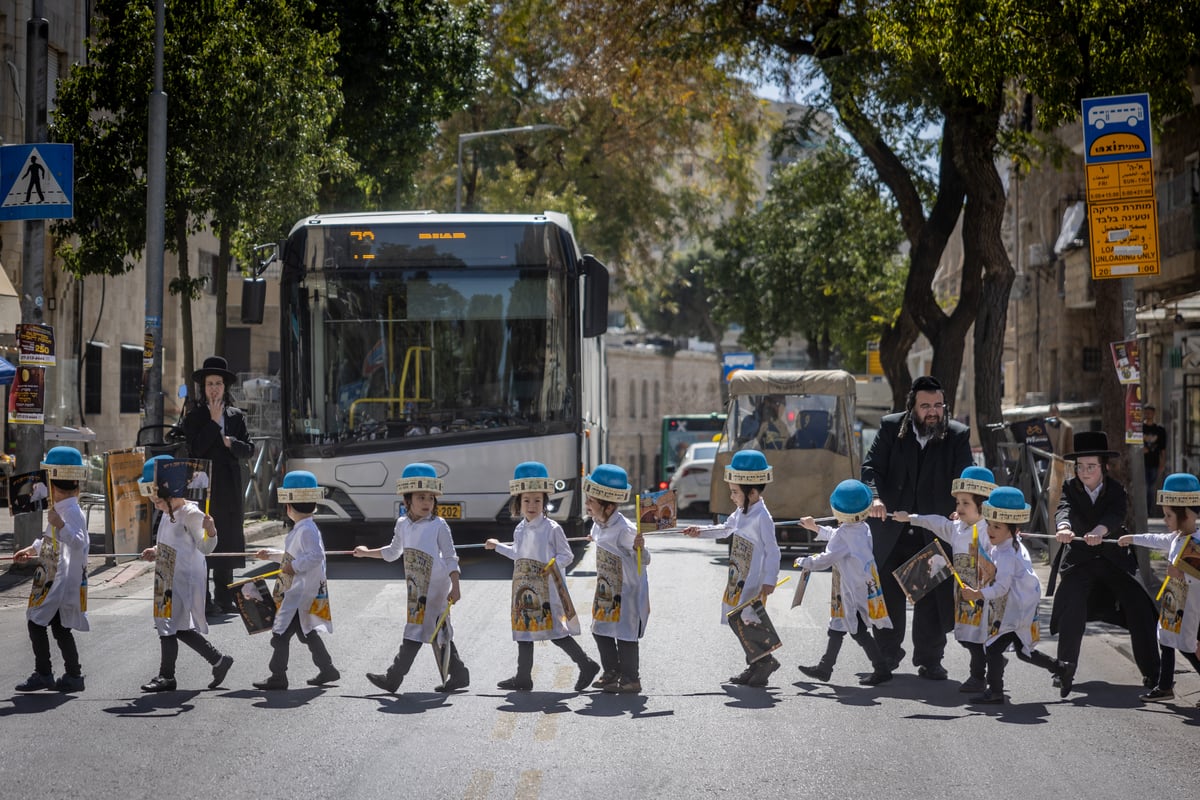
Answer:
[(449, 510)]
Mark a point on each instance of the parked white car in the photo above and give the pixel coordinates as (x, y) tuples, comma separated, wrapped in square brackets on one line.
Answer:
[(693, 478)]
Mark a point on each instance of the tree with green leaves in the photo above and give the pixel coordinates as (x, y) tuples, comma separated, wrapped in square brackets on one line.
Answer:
[(251, 96), (818, 258), (403, 66)]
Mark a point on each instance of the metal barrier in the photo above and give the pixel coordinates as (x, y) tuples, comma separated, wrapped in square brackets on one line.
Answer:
[(265, 472)]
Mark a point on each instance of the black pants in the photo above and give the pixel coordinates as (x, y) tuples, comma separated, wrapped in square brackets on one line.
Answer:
[(864, 639), (66, 645), (170, 650), (928, 638), (978, 659), (619, 656), (566, 643), (995, 660), (280, 643), (220, 594), (1071, 609), (1166, 672), (408, 653)]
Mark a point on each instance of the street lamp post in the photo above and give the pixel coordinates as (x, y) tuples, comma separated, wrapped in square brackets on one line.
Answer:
[(467, 137)]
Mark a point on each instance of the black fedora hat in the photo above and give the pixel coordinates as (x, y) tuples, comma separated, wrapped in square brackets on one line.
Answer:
[(215, 365), (1090, 443)]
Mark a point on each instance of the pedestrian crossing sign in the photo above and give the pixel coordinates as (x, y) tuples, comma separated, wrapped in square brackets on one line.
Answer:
[(37, 181)]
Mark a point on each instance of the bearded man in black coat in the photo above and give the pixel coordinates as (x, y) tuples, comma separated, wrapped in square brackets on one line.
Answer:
[(911, 467)]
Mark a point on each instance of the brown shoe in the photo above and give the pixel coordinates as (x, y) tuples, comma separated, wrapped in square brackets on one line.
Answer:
[(623, 687), (607, 677)]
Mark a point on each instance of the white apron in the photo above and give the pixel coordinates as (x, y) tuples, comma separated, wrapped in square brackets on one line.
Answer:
[(856, 587), (60, 581), (429, 558), (967, 542), (306, 592), (539, 598), (621, 605), (1013, 595), (1179, 613), (753, 557), (180, 571)]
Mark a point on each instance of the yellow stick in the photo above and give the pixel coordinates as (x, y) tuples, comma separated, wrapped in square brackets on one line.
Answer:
[(253, 578), (740, 606), (1167, 579), (549, 566), (637, 512), (441, 621)]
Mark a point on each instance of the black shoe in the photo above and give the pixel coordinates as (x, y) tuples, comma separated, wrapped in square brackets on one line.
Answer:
[(272, 684), (74, 683), (36, 682), (159, 684), (382, 682), (586, 674), (212, 610), (1066, 679), (933, 672), (1149, 697), (1149, 682), (455, 682), (743, 677), (988, 698), (516, 684), (895, 659), (973, 685), (220, 670), (325, 676), (875, 678), (820, 672), (229, 608), (762, 672), (606, 677)]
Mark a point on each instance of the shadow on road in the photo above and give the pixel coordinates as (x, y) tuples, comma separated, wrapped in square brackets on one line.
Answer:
[(160, 704), (617, 705), (34, 703)]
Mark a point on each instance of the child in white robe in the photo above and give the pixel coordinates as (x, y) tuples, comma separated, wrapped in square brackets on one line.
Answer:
[(857, 603), (431, 573), (541, 606), (967, 537), (304, 609), (1012, 596), (621, 605), (1179, 614), (753, 552), (58, 596), (187, 534)]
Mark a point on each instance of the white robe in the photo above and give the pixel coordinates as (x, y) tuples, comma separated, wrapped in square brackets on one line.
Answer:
[(190, 576), (539, 541), (1180, 612), (966, 542), (753, 557), (621, 605), (303, 544), (1013, 595), (850, 553), (429, 558), (66, 594)]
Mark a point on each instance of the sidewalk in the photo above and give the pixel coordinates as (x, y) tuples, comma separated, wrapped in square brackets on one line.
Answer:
[(14, 580)]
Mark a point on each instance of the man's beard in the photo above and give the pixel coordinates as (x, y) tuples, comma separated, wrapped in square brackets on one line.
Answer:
[(933, 429)]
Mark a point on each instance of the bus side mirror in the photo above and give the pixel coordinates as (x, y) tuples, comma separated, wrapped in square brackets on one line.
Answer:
[(595, 297), (254, 300)]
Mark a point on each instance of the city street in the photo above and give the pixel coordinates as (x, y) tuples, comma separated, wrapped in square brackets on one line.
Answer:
[(690, 735)]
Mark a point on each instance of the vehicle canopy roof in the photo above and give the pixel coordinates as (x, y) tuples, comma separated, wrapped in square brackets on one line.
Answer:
[(784, 381)]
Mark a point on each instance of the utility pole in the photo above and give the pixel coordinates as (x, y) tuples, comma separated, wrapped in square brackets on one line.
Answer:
[(31, 438), (156, 198)]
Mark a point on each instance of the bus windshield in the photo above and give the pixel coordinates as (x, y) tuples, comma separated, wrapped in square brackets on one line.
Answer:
[(419, 342)]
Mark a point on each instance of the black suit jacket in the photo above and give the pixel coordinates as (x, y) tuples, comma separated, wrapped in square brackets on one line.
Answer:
[(1078, 510), (204, 440), (890, 469)]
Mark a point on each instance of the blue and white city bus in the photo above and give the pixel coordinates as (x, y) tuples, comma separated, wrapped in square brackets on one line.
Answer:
[(471, 342)]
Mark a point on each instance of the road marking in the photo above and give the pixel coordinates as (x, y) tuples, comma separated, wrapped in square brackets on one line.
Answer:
[(480, 785), (506, 723), (391, 601), (546, 728), (529, 785)]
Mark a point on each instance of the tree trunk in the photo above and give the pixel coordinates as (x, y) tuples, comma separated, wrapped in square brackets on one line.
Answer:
[(220, 286), (185, 301), (894, 344)]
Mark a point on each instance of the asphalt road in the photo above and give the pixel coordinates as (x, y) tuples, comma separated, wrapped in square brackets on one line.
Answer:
[(690, 735)]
